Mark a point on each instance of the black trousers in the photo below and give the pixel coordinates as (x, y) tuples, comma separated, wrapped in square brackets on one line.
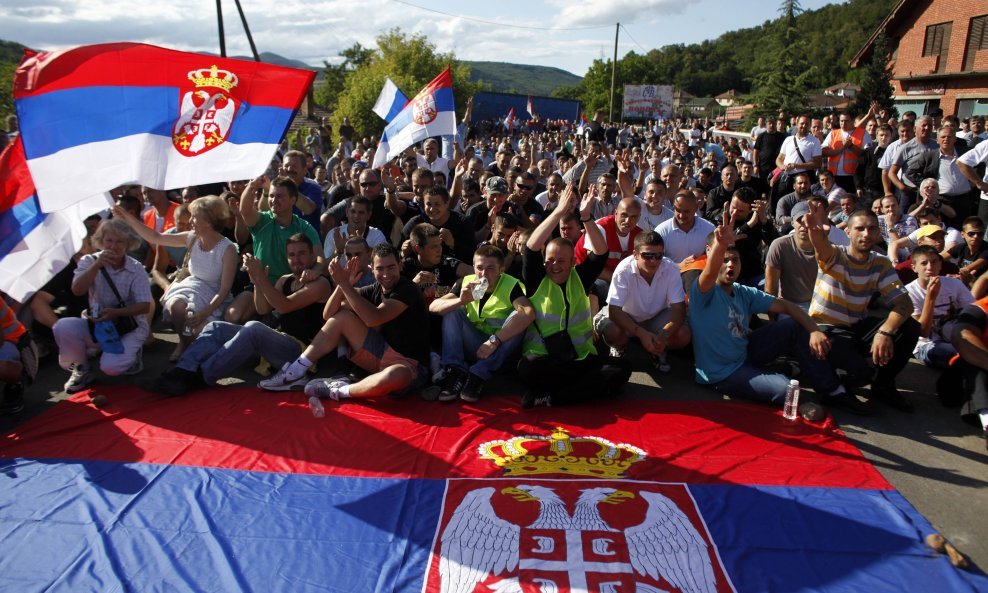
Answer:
[(851, 351), (594, 377)]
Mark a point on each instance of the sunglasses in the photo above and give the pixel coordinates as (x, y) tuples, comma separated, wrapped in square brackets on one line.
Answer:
[(367, 184), (973, 233), (651, 256), (523, 186)]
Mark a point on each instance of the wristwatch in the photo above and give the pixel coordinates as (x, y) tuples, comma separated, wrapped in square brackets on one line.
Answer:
[(494, 340)]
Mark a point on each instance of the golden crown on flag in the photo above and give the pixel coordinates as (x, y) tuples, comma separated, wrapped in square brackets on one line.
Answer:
[(214, 78), (560, 453)]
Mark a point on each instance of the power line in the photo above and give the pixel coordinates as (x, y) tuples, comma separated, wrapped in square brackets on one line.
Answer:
[(633, 39), (498, 24)]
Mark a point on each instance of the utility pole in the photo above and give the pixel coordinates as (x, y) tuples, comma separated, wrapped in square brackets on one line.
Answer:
[(617, 30), (219, 21)]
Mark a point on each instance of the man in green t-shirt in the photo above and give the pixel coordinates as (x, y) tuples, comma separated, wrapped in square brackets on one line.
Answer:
[(270, 227)]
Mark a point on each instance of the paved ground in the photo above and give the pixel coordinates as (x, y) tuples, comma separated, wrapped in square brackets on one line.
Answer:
[(937, 462)]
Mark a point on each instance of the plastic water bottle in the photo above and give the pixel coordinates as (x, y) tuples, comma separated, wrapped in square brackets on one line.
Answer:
[(315, 404), (791, 409), (480, 289), (190, 312)]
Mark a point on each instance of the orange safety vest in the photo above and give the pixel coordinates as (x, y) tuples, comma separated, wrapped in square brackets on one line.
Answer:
[(850, 159), (11, 330)]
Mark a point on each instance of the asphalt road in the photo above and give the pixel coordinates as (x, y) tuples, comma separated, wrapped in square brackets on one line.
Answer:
[(936, 461)]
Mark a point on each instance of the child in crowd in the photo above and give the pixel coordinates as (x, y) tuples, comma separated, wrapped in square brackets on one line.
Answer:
[(936, 302)]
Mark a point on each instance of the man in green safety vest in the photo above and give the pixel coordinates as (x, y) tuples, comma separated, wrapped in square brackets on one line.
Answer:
[(484, 319), (559, 361)]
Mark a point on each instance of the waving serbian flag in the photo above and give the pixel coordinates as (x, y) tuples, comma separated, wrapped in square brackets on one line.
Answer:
[(509, 120), (34, 245), (390, 102), (99, 116), (430, 113)]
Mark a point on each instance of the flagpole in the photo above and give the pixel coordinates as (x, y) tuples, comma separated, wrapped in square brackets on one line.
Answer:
[(617, 30), (250, 38), (219, 21)]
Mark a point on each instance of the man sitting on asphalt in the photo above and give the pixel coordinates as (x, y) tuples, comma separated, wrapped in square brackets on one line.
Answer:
[(385, 327), (559, 362), (484, 321), (729, 356), (847, 280), (223, 347), (645, 301)]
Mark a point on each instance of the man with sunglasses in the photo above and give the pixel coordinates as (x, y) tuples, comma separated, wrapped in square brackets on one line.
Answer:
[(645, 301), (523, 197), (370, 185)]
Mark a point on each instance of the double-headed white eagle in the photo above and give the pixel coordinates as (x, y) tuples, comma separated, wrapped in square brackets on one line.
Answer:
[(478, 544), (206, 117)]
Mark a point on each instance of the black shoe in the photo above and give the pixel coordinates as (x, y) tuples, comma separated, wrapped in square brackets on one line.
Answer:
[(13, 399), (891, 396), (849, 402), (174, 382), (451, 384), (535, 399), (472, 388)]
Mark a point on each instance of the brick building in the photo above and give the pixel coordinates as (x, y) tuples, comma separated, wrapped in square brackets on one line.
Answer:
[(939, 55)]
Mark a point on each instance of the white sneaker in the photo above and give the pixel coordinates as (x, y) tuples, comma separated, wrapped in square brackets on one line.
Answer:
[(280, 381), (80, 378), (615, 353), (661, 363), (326, 388)]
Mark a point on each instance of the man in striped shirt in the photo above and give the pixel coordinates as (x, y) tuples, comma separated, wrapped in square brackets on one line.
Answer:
[(847, 279)]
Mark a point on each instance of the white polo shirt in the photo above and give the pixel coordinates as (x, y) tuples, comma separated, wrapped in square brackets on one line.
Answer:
[(639, 299), (681, 244), (809, 147)]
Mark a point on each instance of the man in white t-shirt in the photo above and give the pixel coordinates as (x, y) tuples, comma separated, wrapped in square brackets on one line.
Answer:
[(357, 215), (433, 162), (799, 152), (645, 301)]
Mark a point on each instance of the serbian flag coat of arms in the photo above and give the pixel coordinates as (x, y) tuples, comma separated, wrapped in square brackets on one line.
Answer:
[(431, 113), (237, 490), (96, 117)]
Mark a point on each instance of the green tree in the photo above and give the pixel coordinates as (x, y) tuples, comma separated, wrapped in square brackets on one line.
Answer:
[(335, 75), (876, 79), (6, 91), (783, 85), (411, 62)]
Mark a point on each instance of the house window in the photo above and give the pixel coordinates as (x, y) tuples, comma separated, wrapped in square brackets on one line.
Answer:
[(977, 39), (937, 43)]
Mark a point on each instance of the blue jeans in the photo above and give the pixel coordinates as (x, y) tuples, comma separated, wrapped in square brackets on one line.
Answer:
[(223, 347), (766, 344), (461, 340)]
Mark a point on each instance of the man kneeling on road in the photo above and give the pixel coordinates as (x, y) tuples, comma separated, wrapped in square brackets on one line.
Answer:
[(384, 325), (223, 347), (484, 320), (729, 356), (645, 301)]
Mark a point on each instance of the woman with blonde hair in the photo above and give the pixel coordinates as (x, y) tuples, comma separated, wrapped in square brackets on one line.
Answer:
[(118, 289), (201, 297)]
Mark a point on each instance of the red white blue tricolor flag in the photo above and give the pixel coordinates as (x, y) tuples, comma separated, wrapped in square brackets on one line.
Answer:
[(235, 490), (35, 245), (431, 113), (96, 117)]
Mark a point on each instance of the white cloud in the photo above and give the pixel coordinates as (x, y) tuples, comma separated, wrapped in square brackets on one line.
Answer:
[(614, 11)]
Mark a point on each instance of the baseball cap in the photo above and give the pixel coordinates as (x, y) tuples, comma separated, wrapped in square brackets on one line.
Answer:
[(802, 208), (928, 230), (496, 185)]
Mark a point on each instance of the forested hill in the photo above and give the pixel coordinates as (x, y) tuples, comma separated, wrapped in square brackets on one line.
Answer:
[(830, 36), (520, 78)]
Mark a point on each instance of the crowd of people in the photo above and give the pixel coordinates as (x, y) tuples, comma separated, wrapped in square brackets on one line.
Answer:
[(832, 249)]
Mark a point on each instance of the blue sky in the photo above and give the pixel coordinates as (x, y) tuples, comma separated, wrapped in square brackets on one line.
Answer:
[(314, 30)]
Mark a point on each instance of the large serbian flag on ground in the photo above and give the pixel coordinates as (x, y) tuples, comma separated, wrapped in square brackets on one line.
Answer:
[(430, 113), (238, 490), (100, 116)]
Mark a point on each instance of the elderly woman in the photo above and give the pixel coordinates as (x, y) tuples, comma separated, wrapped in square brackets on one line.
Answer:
[(929, 199), (201, 297), (98, 274)]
